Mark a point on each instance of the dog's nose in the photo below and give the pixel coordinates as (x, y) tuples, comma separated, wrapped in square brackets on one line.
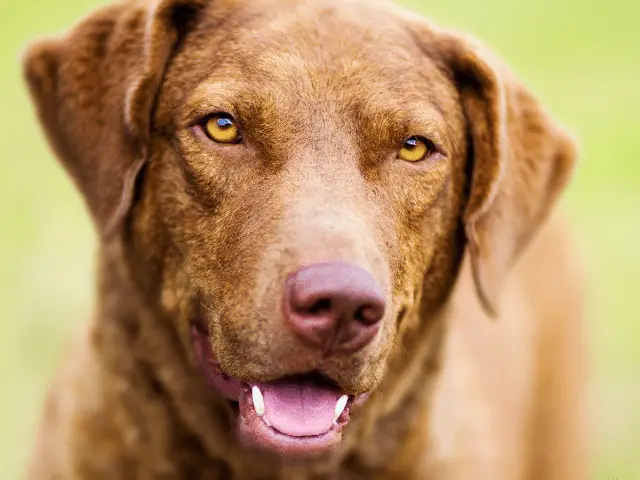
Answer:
[(336, 307)]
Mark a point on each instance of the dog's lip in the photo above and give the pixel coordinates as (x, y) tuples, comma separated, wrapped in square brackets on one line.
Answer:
[(256, 430), (224, 384)]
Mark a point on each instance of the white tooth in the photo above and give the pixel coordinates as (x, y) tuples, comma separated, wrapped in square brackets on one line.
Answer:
[(258, 401), (342, 402)]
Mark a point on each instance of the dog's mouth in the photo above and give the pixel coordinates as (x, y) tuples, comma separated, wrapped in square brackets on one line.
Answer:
[(296, 416)]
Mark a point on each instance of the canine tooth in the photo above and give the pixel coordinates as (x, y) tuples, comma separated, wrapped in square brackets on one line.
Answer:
[(342, 402), (258, 400)]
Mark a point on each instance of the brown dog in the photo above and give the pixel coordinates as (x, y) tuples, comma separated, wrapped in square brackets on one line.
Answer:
[(285, 192)]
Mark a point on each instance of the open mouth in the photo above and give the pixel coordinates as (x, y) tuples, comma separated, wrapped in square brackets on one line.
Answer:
[(297, 416)]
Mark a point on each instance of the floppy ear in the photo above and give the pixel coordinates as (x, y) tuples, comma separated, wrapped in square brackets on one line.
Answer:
[(521, 162), (95, 90)]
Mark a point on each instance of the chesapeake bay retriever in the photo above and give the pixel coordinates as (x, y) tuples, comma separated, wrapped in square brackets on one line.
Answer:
[(322, 251)]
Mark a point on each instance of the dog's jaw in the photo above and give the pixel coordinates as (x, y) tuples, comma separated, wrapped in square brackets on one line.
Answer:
[(293, 417)]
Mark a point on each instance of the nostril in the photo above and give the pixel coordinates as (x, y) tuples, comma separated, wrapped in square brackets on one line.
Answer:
[(368, 314), (320, 306)]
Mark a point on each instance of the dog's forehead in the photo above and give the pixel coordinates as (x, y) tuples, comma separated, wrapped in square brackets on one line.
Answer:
[(311, 27), (323, 52), (283, 36)]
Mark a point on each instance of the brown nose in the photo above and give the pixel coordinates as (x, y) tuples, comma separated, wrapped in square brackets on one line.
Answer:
[(336, 307)]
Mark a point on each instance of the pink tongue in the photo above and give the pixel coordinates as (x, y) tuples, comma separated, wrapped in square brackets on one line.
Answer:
[(299, 409)]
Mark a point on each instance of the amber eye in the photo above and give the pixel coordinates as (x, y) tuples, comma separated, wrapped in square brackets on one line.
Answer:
[(414, 150), (222, 128)]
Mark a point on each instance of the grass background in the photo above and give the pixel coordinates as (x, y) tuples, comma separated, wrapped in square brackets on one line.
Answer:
[(582, 57)]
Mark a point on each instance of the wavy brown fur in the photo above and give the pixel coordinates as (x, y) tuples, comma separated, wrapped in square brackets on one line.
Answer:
[(327, 91)]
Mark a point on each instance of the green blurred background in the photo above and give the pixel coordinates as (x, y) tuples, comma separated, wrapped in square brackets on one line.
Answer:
[(582, 58)]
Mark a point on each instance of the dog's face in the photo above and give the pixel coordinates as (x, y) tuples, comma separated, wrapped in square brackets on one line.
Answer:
[(294, 151), (304, 185)]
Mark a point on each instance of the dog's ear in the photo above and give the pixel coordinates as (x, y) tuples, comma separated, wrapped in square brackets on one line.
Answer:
[(520, 158), (95, 90)]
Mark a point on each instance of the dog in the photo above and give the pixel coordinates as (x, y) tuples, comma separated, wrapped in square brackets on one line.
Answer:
[(328, 249)]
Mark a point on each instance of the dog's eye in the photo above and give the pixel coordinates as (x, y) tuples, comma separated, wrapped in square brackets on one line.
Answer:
[(221, 128), (414, 150)]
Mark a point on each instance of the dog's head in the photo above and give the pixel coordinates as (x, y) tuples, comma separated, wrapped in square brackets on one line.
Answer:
[(295, 183)]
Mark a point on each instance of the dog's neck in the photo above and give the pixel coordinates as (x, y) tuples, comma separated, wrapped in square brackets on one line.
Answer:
[(196, 427)]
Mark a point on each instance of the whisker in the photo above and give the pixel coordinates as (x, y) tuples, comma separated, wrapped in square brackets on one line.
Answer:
[(399, 344), (205, 306), (377, 384)]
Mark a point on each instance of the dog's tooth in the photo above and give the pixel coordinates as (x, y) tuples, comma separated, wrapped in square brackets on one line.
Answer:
[(340, 405), (258, 400)]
